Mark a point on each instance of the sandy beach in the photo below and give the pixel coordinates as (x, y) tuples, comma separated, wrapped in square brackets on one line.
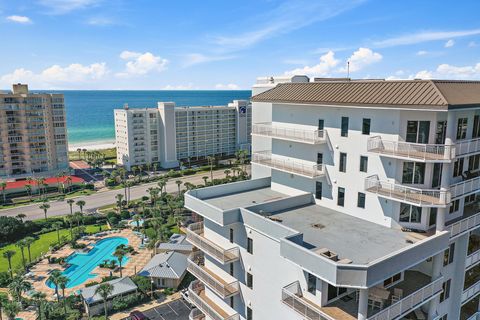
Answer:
[(94, 145)]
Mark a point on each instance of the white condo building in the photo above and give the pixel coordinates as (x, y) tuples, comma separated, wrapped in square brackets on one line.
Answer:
[(362, 205), (169, 135)]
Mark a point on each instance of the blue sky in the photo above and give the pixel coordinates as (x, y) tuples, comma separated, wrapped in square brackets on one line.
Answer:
[(152, 44)]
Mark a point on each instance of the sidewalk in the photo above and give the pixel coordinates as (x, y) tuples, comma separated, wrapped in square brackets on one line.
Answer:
[(146, 306)]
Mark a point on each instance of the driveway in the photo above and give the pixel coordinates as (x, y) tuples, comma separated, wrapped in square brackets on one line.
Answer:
[(175, 310)]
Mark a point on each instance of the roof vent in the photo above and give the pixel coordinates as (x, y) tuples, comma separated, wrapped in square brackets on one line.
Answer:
[(317, 226)]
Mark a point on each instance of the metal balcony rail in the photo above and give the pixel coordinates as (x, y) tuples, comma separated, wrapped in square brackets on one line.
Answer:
[(196, 314), (471, 291), (416, 196), (465, 187), (467, 146), (197, 296), (293, 298), (417, 151), (196, 266), (282, 132), (464, 225), (410, 302), (472, 259), (292, 166), (475, 316), (195, 237)]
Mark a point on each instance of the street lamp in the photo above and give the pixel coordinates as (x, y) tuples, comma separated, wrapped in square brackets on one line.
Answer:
[(151, 290)]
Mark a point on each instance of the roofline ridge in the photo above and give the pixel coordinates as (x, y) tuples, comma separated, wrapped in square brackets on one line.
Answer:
[(437, 89)]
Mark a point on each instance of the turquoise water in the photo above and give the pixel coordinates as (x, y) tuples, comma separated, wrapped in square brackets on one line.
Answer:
[(82, 264), (90, 113), (134, 223)]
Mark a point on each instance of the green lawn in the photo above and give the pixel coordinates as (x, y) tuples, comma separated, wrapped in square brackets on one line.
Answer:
[(41, 245)]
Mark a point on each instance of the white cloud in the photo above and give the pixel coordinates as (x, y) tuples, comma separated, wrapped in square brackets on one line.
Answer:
[(422, 53), (66, 6), (179, 87), (327, 63), (455, 72), (100, 21), (141, 63), (197, 58), (424, 74), (19, 19), (57, 76), (230, 86), (450, 43), (420, 37), (362, 58)]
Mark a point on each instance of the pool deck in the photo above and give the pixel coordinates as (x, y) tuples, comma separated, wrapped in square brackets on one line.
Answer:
[(135, 263)]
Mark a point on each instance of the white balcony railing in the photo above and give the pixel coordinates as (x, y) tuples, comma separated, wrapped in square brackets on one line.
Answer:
[(467, 146), (410, 302), (409, 150), (399, 192), (472, 259), (197, 296), (298, 167), (196, 314), (196, 266), (293, 298), (475, 316), (267, 129), (196, 238), (471, 291), (465, 187), (464, 225)]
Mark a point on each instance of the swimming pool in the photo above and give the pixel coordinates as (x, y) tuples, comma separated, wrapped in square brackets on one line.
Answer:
[(134, 223), (82, 264)]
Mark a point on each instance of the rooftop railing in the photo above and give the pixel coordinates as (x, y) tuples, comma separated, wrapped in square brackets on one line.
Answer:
[(196, 266), (197, 296), (399, 192), (288, 165), (196, 238), (409, 150), (292, 296), (268, 129)]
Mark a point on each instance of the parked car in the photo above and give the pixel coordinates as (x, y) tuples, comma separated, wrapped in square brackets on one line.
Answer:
[(137, 315)]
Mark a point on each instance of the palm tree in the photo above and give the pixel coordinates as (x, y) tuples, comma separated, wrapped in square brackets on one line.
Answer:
[(205, 179), (28, 242), (39, 297), (58, 226), (62, 283), (161, 184), (45, 206), (21, 216), (81, 204), (227, 173), (119, 198), (3, 186), (21, 245), (211, 162), (8, 255), (70, 203), (3, 301), (155, 167), (120, 254), (137, 219), (104, 290), (11, 309), (18, 286), (28, 189), (69, 220), (78, 216), (68, 182), (179, 183), (55, 278)]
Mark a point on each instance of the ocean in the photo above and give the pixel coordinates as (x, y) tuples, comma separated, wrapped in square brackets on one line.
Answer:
[(90, 113)]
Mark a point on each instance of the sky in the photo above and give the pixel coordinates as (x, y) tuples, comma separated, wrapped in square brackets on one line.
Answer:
[(226, 45)]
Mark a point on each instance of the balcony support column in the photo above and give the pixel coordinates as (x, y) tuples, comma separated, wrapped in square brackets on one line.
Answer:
[(362, 304), (437, 265)]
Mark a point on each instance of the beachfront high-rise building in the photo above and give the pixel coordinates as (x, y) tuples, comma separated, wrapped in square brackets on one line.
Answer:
[(169, 135), (33, 133), (363, 204)]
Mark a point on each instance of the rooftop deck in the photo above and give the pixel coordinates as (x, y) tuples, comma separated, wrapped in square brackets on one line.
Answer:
[(244, 198)]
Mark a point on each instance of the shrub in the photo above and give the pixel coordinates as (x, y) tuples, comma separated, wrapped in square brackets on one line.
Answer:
[(5, 279), (125, 214)]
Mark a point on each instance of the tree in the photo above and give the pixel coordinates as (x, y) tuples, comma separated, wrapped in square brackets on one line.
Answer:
[(28, 189), (137, 219), (45, 206), (227, 173), (11, 309), (205, 179), (39, 298), (28, 242), (211, 162), (179, 183), (119, 198), (79, 150), (70, 203), (18, 286), (21, 216), (56, 278), (120, 254), (58, 226), (21, 245), (81, 204), (78, 216), (8, 255), (69, 220), (3, 186), (62, 283), (3, 301), (104, 290)]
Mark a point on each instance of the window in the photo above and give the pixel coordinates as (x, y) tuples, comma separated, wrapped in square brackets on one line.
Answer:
[(311, 283), (413, 173), (361, 200), (318, 190), (474, 162), (321, 124), (448, 255), (454, 206), (366, 126), (344, 130), (444, 317), (458, 167), (343, 162), (446, 290), (462, 128), (437, 175), (409, 213), (393, 279), (231, 235), (363, 163), (249, 313), (418, 131), (249, 280), (476, 127), (319, 158), (341, 196), (433, 217), (250, 245), (440, 132), (231, 269), (334, 292)]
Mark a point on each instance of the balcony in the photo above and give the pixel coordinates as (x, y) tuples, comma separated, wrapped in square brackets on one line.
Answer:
[(467, 147), (411, 151), (298, 167), (196, 266), (465, 188), (196, 238), (196, 314), (463, 226), (309, 136), (197, 296), (292, 297), (471, 291), (411, 195)]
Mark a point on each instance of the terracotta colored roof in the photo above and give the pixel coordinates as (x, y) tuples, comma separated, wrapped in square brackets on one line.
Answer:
[(54, 180), (412, 94)]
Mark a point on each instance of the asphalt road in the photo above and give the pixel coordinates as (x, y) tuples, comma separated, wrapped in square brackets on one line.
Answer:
[(101, 199)]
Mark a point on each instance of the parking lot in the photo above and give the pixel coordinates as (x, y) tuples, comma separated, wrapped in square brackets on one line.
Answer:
[(175, 310)]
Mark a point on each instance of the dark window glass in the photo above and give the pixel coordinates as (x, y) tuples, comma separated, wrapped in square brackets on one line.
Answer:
[(448, 255), (366, 126), (343, 162), (344, 131), (462, 128), (232, 304), (318, 190), (250, 245), (319, 158), (418, 131), (476, 127), (446, 291), (437, 175), (341, 196), (409, 213), (363, 163), (412, 128), (249, 280), (413, 173), (231, 235), (433, 216), (474, 162), (321, 124), (423, 131), (361, 200), (249, 313), (440, 132), (458, 167), (311, 283), (231, 269)]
